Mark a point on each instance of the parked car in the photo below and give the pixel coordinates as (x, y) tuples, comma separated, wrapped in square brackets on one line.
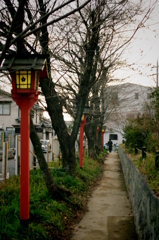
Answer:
[(44, 144), (44, 148), (14, 150)]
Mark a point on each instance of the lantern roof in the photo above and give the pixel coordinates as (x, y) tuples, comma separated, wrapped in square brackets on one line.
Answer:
[(24, 62)]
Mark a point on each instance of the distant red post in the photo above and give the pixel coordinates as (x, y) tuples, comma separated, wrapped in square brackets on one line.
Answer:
[(103, 131), (97, 131), (83, 122)]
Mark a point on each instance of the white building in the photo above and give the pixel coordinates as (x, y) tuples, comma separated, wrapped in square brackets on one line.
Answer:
[(10, 120), (122, 102), (9, 111)]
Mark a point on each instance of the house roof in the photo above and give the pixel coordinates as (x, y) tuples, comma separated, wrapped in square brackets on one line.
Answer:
[(24, 62), (5, 96), (5, 93)]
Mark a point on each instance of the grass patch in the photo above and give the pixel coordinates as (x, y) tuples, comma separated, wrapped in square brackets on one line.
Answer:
[(49, 219), (102, 154), (54, 164)]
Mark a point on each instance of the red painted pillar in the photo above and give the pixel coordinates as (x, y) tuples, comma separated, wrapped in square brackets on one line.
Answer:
[(81, 146), (83, 122), (24, 174), (103, 131), (97, 131), (25, 102)]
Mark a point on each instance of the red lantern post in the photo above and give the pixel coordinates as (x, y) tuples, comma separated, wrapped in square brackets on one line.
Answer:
[(83, 122), (25, 73), (97, 131), (25, 102), (103, 131)]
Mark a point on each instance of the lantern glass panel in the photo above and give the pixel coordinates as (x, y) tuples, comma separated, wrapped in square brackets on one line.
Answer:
[(23, 79), (82, 118)]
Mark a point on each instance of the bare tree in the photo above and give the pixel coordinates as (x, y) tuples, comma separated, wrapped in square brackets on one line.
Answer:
[(15, 40), (81, 40)]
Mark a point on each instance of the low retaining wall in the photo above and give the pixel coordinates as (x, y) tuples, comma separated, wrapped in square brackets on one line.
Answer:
[(144, 203)]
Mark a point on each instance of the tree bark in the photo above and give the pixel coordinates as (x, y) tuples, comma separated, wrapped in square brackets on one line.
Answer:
[(54, 108), (55, 191)]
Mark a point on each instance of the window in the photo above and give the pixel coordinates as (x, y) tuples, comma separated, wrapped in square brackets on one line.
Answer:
[(113, 136), (10, 129), (4, 108), (136, 96)]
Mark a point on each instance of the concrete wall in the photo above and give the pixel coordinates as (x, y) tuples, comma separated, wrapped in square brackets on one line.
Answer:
[(144, 203)]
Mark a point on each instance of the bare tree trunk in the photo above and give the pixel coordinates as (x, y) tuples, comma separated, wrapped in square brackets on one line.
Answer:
[(54, 108), (91, 149), (53, 189), (90, 130)]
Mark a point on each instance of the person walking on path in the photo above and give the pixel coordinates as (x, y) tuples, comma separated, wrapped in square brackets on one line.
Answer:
[(110, 144)]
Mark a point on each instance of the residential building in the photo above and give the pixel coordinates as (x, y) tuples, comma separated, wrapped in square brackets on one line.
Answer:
[(9, 111), (123, 101), (10, 120)]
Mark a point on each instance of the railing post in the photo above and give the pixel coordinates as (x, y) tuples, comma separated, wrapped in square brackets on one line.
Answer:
[(143, 152), (157, 159), (136, 150)]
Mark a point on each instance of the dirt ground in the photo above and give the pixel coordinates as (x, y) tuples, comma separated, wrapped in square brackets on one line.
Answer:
[(109, 215)]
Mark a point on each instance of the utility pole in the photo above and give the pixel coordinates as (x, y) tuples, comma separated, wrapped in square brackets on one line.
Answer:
[(157, 75)]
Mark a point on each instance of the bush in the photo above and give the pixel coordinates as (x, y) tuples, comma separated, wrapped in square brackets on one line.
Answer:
[(133, 135)]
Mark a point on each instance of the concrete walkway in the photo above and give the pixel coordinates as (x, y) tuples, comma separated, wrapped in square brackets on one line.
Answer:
[(109, 215)]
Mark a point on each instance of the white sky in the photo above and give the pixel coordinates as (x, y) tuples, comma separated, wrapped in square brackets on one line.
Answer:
[(143, 52)]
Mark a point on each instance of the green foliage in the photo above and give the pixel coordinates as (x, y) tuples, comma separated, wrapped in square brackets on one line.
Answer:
[(152, 142), (62, 178), (144, 130), (48, 218), (89, 172), (54, 164), (147, 167), (101, 155), (134, 135), (155, 102)]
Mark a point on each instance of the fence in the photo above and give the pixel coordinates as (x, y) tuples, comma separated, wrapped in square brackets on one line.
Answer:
[(13, 165), (4, 175)]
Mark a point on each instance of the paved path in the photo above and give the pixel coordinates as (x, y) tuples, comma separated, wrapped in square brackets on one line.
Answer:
[(109, 215)]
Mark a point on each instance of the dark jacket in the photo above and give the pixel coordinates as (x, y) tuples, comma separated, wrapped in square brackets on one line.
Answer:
[(110, 144)]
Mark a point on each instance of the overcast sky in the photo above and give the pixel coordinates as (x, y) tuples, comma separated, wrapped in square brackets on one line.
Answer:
[(144, 52)]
